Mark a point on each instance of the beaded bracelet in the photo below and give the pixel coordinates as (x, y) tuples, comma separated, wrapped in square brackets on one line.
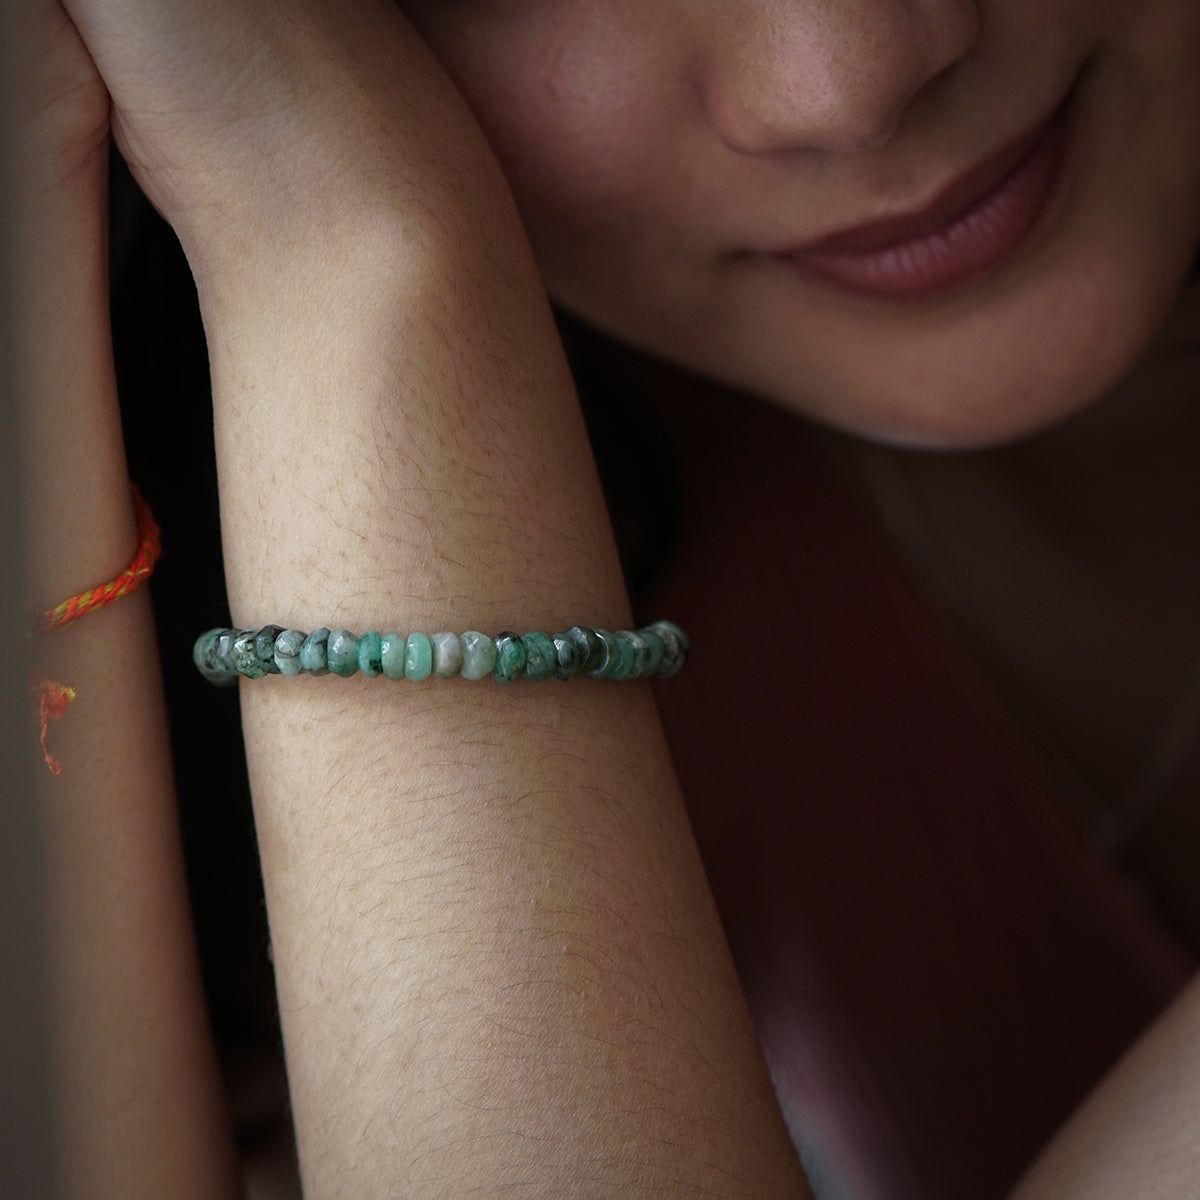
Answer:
[(659, 649)]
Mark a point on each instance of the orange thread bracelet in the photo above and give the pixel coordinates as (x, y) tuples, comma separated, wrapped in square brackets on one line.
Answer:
[(129, 580), (55, 698)]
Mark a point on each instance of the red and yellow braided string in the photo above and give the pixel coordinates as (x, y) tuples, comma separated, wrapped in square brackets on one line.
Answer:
[(54, 699), (129, 580)]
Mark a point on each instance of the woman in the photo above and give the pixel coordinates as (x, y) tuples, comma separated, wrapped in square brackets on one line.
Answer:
[(497, 963)]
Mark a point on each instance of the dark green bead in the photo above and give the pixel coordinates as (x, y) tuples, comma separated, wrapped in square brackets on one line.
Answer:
[(418, 657), (479, 654), (608, 655), (245, 657), (313, 653), (392, 649), (287, 651), (540, 659), (510, 657), (654, 651), (641, 654), (676, 646), (342, 652), (370, 654), (620, 665), (264, 647), (593, 651), (567, 654)]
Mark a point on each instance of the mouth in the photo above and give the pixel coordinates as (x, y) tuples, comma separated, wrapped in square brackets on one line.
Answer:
[(974, 223)]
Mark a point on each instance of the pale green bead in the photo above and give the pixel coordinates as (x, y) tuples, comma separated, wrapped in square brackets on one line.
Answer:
[(479, 654), (447, 655), (287, 651), (418, 657), (392, 648)]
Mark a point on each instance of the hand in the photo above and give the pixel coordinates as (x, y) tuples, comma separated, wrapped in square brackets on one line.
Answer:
[(251, 125), (61, 108)]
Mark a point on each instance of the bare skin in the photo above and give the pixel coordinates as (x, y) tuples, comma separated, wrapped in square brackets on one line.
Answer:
[(499, 969), (127, 1017)]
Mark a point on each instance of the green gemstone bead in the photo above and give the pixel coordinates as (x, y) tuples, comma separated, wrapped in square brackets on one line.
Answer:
[(342, 652), (211, 654), (567, 656), (418, 657), (447, 655), (608, 654), (479, 654), (620, 665), (370, 651), (313, 656), (510, 657), (641, 654), (676, 647), (593, 652), (287, 651), (540, 659), (264, 647), (654, 651), (245, 657), (392, 649)]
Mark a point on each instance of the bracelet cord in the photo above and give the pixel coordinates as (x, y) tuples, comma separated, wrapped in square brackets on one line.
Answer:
[(129, 580), (53, 699)]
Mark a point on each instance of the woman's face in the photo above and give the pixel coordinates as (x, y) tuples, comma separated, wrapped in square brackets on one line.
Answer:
[(932, 221)]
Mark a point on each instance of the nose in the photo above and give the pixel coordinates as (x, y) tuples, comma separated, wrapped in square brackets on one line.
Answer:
[(824, 74)]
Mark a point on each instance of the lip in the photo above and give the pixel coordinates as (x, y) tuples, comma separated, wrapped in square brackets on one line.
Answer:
[(969, 228)]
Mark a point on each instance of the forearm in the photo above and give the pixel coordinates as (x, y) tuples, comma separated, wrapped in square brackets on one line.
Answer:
[(139, 1109), (499, 968), (1136, 1137)]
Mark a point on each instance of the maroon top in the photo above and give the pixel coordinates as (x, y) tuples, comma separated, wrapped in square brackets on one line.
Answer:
[(938, 966)]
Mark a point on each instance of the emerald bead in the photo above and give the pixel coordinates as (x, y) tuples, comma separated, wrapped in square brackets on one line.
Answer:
[(510, 657), (264, 647), (567, 656), (245, 658), (607, 654), (593, 653), (287, 651), (342, 652), (540, 658), (392, 648), (211, 654), (620, 665), (418, 657), (447, 655), (313, 653), (479, 654), (370, 650), (641, 654), (654, 651), (676, 646)]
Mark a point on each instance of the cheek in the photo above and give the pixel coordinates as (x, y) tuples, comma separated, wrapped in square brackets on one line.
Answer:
[(581, 123)]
